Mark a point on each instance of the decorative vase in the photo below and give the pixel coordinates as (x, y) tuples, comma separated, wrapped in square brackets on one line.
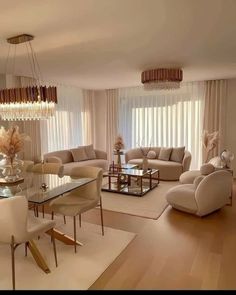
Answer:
[(145, 164), (118, 154), (11, 168)]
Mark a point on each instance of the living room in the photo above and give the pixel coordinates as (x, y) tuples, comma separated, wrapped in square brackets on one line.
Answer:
[(158, 78)]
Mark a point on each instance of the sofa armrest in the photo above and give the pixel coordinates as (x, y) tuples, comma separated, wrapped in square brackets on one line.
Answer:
[(186, 161), (53, 160), (100, 154), (135, 153)]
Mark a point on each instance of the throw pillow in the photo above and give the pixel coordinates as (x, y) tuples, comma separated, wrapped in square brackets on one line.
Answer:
[(164, 154), (207, 169), (177, 154), (90, 152), (151, 155), (79, 154)]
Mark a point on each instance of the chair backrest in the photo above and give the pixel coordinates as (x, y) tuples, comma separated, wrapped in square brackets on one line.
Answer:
[(94, 188), (213, 191), (13, 219), (27, 165), (48, 168)]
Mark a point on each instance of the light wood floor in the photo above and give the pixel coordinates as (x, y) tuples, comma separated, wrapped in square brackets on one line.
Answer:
[(177, 251)]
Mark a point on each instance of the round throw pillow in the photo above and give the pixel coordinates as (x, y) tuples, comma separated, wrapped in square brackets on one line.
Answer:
[(207, 169), (151, 155)]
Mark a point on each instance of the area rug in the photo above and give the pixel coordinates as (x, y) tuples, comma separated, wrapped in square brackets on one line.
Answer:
[(151, 205), (75, 271)]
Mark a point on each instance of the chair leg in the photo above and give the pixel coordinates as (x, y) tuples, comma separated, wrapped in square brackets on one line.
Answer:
[(52, 216), (35, 212), (79, 220), (54, 246), (13, 262), (101, 212), (26, 246), (75, 233), (64, 219)]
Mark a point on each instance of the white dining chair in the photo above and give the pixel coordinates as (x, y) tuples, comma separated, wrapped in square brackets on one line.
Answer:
[(17, 227), (81, 199)]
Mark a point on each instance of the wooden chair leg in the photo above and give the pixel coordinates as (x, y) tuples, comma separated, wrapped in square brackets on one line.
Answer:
[(75, 233), (54, 246), (52, 215), (64, 219), (80, 221), (13, 262), (26, 246), (101, 213)]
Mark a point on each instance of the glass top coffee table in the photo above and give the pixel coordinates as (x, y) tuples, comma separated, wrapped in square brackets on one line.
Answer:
[(135, 182)]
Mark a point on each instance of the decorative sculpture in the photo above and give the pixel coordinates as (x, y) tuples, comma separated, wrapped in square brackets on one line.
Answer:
[(209, 141)]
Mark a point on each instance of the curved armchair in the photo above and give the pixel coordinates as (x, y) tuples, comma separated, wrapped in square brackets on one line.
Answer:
[(48, 168), (82, 199), (16, 227), (205, 195)]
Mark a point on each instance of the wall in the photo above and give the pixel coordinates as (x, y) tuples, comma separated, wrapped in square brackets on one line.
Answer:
[(231, 120), (100, 119)]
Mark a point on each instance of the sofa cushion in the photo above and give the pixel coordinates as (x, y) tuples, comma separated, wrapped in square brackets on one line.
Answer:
[(151, 155), (168, 170), (101, 163), (177, 154), (79, 154), (90, 152), (165, 154), (64, 155)]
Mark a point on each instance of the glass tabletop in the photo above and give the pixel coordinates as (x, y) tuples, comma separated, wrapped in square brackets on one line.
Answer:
[(40, 188)]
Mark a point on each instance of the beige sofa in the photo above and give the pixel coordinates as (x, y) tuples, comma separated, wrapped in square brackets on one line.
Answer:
[(168, 168), (78, 157)]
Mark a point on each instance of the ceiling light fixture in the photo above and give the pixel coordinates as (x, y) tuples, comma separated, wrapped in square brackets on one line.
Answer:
[(163, 78), (33, 102)]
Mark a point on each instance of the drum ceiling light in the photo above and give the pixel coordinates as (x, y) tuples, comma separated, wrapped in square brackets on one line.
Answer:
[(32, 102), (163, 78)]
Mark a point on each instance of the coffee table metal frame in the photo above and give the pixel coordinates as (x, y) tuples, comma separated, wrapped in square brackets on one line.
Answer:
[(123, 181)]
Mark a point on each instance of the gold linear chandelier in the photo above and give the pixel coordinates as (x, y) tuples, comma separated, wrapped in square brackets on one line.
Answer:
[(32, 102), (163, 78)]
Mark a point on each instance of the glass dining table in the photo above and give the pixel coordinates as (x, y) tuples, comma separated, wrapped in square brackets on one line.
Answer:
[(40, 189)]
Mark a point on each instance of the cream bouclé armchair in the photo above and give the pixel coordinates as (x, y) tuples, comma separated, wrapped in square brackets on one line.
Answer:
[(207, 193)]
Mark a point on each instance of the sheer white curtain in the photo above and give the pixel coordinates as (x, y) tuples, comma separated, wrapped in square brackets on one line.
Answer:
[(64, 130), (112, 121), (88, 114), (163, 118), (215, 112)]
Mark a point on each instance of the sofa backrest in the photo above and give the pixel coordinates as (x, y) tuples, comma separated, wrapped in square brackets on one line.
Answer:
[(64, 155), (137, 153)]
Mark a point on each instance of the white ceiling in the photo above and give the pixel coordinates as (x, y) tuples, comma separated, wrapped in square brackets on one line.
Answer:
[(100, 44)]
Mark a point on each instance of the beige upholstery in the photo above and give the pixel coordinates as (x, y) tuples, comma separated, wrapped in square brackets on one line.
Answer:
[(189, 176), (83, 198), (169, 170), (206, 195), (48, 168), (66, 158), (27, 165), (17, 227)]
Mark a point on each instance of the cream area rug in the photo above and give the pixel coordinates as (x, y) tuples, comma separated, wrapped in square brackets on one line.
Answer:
[(151, 205), (75, 271)]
